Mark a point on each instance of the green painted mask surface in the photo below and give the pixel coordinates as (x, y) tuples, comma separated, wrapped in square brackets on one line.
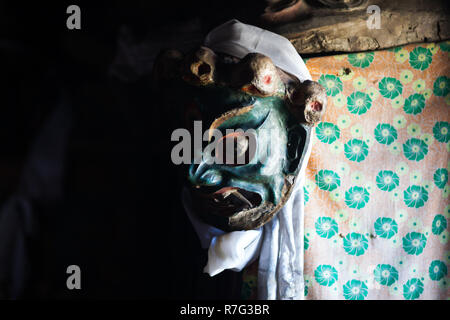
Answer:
[(269, 176)]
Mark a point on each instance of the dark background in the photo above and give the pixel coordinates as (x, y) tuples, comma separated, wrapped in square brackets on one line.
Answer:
[(113, 206)]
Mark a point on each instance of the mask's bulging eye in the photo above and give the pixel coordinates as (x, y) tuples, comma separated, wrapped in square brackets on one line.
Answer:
[(256, 74), (234, 149), (199, 67), (316, 106)]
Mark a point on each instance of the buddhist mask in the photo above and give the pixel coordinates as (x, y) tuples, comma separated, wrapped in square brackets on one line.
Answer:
[(254, 121)]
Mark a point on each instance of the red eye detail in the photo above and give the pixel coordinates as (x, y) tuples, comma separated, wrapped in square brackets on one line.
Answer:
[(267, 79), (316, 106)]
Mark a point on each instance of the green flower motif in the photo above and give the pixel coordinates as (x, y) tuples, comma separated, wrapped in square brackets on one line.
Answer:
[(414, 104), (327, 180), (445, 45), (343, 168), (398, 102), (415, 177), (413, 129), (357, 130), (359, 102), (387, 180), (359, 83), (361, 60), (399, 122), (385, 274), (395, 195), (394, 242), (401, 216), (339, 100), (437, 270), (427, 93), (306, 197), (414, 243), (343, 121), (331, 83), (412, 289), (306, 243), (356, 197), (427, 138), (415, 196), (341, 215), (406, 76), (419, 85), (415, 149), (433, 48), (395, 49), (326, 275), (441, 86), (440, 177), (401, 55), (443, 237), (306, 291), (355, 290), (309, 233), (310, 185), (372, 92), (355, 224), (356, 150), (355, 244), (395, 148), (390, 87), (394, 289), (368, 139), (420, 58), (439, 224), (369, 187), (385, 133), (428, 185), (326, 227), (441, 131), (401, 168), (415, 224), (336, 147), (335, 195), (357, 177), (427, 232), (385, 227), (327, 132)]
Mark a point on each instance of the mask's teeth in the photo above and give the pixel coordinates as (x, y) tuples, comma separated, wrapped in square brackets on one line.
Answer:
[(241, 197), (226, 194)]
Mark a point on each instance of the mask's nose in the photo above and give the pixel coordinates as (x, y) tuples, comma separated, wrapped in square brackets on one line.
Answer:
[(202, 174)]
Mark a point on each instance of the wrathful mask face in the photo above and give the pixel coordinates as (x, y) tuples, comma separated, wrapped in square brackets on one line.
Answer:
[(253, 121)]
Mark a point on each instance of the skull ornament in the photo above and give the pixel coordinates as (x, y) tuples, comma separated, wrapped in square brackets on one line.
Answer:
[(263, 116)]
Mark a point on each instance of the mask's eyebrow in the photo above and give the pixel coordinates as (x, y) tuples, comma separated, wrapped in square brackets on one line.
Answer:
[(251, 123)]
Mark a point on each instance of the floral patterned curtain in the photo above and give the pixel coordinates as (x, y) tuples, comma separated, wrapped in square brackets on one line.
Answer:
[(377, 210)]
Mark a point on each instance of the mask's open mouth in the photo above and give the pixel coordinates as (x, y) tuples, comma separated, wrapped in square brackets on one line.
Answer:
[(226, 201)]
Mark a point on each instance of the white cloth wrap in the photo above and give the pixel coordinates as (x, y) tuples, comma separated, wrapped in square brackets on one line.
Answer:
[(239, 39), (279, 243)]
